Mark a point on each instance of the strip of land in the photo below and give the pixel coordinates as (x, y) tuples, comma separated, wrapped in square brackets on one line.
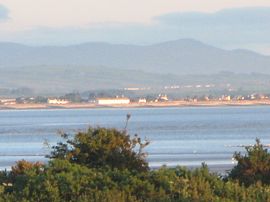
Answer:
[(180, 103)]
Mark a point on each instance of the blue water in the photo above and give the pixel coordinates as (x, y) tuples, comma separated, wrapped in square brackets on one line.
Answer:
[(178, 136)]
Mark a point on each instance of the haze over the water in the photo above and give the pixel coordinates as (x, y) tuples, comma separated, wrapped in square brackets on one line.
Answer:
[(225, 23)]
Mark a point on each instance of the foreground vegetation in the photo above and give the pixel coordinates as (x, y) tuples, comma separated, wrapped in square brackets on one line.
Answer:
[(109, 165)]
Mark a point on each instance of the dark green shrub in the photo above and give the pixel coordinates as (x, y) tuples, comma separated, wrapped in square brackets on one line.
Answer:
[(252, 167), (101, 147)]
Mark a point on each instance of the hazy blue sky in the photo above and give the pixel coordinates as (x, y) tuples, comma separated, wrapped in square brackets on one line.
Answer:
[(223, 23)]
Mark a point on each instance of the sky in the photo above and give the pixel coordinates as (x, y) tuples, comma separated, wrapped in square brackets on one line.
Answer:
[(228, 24)]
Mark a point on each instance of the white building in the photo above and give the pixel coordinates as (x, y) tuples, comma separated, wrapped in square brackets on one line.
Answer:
[(8, 101), (58, 101), (142, 100), (112, 101), (225, 98), (162, 98)]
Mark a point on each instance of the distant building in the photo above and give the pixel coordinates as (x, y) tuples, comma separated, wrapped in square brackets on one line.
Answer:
[(132, 89), (162, 98), (225, 98), (204, 98), (261, 97), (252, 97), (112, 101), (239, 97), (58, 101), (142, 100), (7, 101)]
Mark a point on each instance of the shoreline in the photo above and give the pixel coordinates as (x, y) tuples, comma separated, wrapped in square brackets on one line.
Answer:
[(137, 105)]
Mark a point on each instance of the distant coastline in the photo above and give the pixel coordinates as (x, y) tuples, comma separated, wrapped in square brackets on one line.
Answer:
[(137, 105)]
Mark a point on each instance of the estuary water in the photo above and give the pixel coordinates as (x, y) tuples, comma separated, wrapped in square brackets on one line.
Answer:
[(179, 136)]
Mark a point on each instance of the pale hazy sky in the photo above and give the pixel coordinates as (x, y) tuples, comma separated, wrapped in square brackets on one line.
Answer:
[(223, 23)]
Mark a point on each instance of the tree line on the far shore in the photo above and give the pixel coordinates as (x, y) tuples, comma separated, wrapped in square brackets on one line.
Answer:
[(109, 165)]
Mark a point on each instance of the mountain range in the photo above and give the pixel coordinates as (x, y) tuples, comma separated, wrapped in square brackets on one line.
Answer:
[(58, 69), (184, 56)]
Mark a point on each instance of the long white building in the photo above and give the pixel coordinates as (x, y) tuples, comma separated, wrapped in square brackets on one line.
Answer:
[(112, 101), (8, 101), (57, 101)]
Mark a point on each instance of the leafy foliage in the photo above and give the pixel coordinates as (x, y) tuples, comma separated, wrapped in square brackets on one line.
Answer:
[(101, 147), (252, 167)]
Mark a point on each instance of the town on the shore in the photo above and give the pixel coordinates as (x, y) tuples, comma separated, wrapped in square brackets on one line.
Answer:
[(71, 100)]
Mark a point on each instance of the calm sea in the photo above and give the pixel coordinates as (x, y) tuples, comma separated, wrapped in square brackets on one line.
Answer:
[(179, 136)]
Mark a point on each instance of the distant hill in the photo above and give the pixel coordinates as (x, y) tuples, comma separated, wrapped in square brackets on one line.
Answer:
[(56, 79), (90, 66), (185, 56)]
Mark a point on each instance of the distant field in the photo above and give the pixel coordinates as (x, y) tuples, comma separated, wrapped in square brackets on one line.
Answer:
[(63, 79)]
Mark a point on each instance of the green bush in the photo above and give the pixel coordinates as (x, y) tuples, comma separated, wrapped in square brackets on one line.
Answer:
[(101, 147), (252, 167)]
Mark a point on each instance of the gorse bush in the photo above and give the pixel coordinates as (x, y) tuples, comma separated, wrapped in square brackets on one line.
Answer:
[(101, 147), (252, 167), (108, 165)]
